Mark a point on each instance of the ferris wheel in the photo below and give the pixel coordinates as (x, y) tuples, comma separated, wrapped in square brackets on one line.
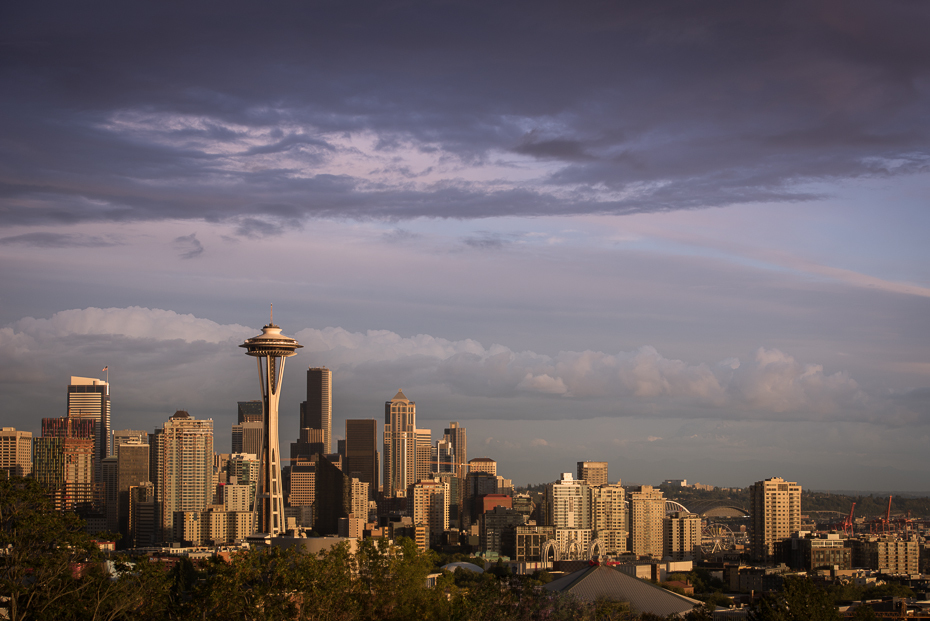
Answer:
[(717, 538)]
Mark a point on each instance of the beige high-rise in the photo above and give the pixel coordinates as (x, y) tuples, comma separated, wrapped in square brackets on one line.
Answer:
[(647, 510), (483, 464), (594, 473), (682, 536), (185, 469), (428, 504), (400, 445), (424, 452), (15, 451), (609, 517), (775, 513)]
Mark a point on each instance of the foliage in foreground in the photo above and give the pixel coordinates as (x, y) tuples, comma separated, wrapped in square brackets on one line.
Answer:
[(50, 569), (799, 600)]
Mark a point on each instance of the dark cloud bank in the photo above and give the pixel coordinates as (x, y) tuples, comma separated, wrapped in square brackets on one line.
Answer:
[(637, 107)]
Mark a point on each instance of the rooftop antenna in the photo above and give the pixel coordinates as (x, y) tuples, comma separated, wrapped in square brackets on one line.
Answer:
[(271, 321)]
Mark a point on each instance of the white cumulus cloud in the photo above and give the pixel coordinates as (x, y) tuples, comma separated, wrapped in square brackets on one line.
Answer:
[(148, 349)]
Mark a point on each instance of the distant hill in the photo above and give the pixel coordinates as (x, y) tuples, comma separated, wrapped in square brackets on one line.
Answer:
[(867, 505)]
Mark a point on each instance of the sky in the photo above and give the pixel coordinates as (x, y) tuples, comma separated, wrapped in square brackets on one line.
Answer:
[(689, 239)]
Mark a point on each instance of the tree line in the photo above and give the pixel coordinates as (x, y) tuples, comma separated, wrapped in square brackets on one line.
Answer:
[(51, 569)]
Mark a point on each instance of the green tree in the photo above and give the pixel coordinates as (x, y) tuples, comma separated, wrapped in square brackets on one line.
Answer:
[(704, 612), (799, 600), (44, 553), (252, 586), (864, 612), (392, 582)]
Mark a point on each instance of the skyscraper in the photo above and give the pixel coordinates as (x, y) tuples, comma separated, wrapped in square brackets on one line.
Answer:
[(609, 517), (442, 457), (400, 445), (271, 349), (647, 510), (15, 451), (110, 484), (67, 427), (121, 436), (483, 464), (185, 468), (317, 411), (249, 412), (456, 436), (428, 504), (243, 469), (593, 472), (424, 453), (569, 503), (65, 467), (247, 437), (143, 516), (362, 451), (333, 497), (132, 470), (89, 397), (775, 510), (682, 536)]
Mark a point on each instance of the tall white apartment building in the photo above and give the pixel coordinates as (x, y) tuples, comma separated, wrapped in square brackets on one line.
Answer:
[(568, 503)]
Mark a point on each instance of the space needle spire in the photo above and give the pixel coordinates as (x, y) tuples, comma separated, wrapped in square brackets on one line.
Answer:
[(270, 349)]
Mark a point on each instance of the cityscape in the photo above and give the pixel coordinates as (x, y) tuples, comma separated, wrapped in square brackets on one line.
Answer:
[(171, 494), (559, 310)]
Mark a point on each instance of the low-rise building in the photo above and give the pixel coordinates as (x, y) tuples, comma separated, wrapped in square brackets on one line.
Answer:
[(889, 555)]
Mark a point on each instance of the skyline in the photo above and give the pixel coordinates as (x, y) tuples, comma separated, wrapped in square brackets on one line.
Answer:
[(688, 240)]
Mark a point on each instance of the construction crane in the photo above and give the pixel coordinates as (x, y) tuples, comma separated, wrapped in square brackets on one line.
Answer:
[(848, 522)]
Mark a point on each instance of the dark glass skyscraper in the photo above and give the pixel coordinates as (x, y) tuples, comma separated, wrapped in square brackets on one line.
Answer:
[(362, 451), (317, 411), (250, 412)]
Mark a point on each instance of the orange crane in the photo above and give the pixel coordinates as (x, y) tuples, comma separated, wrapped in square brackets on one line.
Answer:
[(848, 522), (887, 523)]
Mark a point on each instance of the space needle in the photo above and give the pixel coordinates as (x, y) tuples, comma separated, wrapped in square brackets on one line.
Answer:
[(273, 348)]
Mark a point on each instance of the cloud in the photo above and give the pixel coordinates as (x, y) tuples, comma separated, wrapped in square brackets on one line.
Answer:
[(59, 240), (188, 246), (615, 108), (145, 345), (771, 382), (486, 241), (133, 322), (543, 383)]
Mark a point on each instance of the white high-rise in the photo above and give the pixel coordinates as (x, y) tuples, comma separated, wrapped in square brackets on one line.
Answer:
[(569, 503)]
